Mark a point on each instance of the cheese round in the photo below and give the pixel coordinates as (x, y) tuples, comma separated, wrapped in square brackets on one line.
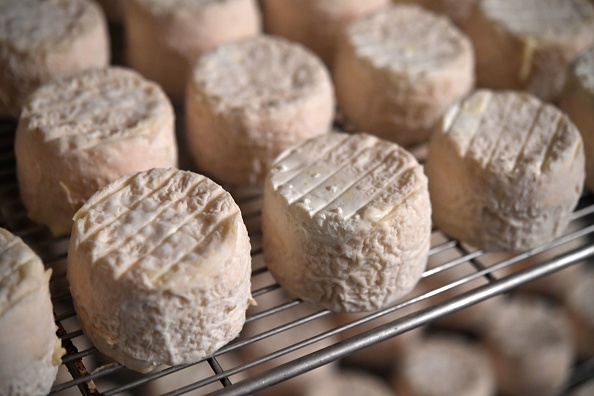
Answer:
[(350, 382), (399, 69), (42, 40), (445, 365), (313, 23), (346, 221), (164, 38), (528, 45), (505, 171), (530, 342), (577, 101), (30, 352), (159, 268), (249, 100), (578, 301), (77, 134), (457, 10)]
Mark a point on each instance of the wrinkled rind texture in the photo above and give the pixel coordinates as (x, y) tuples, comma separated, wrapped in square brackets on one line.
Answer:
[(43, 40), (29, 350), (169, 305), (78, 134), (482, 198), (529, 45), (349, 265), (248, 101), (397, 85), (164, 39)]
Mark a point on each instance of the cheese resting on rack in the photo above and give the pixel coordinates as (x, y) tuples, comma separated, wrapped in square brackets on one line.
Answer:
[(42, 40), (77, 134), (528, 45), (249, 100), (159, 268), (30, 352), (346, 221), (505, 171), (399, 69)]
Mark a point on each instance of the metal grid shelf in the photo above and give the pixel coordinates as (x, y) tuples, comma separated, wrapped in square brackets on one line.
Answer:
[(85, 371)]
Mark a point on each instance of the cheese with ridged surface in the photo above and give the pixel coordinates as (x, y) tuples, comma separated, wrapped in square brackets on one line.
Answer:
[(505, 171), (346, 221), (86, 131), (30, 351), (159, 268)]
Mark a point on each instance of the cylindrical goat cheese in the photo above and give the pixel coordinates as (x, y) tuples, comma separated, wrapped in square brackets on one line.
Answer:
[(457, 10), (444, 365), (346, 221), (531, 344), (77, 134), (249, 100), (399, 69), (41, 40), (314, 23), (164, 38), (577, 101), (505, 171), (528, 45), (159, 268), (30, 352)]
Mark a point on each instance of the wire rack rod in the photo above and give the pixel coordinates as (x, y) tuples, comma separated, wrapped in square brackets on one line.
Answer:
[(399, 326)]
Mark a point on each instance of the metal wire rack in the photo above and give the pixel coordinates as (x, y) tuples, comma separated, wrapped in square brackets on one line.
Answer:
[(85, 371)]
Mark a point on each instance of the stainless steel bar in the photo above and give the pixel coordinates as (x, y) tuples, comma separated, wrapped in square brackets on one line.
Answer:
[(399, 326)]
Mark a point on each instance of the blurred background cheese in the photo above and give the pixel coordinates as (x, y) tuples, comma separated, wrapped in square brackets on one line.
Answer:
[(42, 40)]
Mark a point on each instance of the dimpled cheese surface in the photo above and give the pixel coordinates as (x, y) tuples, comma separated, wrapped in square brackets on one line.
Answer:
[(41, 40), (159, 268), (78, 134), (30, 351), (346, 221), (249, 100), (398, 70), (505, 171)]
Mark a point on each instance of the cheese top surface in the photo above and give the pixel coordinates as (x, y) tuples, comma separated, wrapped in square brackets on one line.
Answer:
[(43, 25), (551, 20), (95, 106), (163, 228), (407, 38), (358, 177), (260, 72), (511, 131), (584, 70), (21, 271)]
